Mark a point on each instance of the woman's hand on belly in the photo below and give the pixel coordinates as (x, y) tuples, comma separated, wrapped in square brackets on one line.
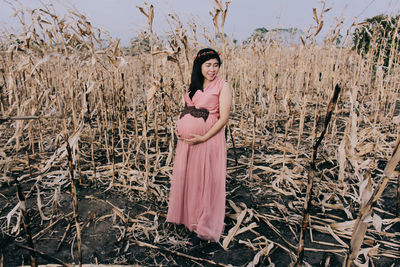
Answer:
[(178, 135), (195, 139)]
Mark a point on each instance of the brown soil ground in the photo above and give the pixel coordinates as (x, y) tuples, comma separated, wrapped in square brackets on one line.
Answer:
[(113, 221)]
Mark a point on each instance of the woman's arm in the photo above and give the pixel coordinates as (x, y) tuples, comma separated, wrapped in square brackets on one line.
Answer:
[(225, 102)]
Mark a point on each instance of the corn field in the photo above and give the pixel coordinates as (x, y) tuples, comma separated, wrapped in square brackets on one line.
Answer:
[(87, 147)]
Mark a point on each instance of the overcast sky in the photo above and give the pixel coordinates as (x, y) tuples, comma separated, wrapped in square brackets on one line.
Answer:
[(122, 19)]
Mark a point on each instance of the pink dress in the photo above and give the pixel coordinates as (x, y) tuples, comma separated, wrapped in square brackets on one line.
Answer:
[(197, 196)]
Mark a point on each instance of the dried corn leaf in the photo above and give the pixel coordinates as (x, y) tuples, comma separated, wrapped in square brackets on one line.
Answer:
[(377, 222), (391, 165), (247, 228), (264, 252), (232, 232), (11, 214), (151, 92), (315, 15)]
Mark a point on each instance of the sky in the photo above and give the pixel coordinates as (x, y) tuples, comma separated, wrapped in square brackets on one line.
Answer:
[(122, 19)]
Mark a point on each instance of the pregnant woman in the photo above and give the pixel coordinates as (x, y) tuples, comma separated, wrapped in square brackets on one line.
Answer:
[(197, 196)]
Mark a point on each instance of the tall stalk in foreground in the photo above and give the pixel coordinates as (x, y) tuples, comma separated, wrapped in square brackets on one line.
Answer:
[(360, 225), (75, 202), (398, 197), (311, 174), (25, 218), (398, 183)]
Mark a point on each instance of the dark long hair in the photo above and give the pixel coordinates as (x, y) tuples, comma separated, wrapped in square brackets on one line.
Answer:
[(197, 79)]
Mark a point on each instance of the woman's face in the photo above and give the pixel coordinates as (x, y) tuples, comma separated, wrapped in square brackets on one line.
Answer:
[(210, 69)]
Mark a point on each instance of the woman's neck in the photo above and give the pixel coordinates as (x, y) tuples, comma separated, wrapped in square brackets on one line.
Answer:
[(207, 82)]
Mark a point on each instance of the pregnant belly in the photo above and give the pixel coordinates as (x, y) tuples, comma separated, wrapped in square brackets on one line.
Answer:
[(189, 125)]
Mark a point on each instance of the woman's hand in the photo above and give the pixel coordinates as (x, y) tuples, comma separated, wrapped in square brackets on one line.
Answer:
[(178, 135), (195, 139)]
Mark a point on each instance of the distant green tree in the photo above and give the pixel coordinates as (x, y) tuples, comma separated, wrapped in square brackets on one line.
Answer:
[(261, 30), (140, 43), (379, 35), (339, 39), (257, 35), (284, 36), (218, 36)]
